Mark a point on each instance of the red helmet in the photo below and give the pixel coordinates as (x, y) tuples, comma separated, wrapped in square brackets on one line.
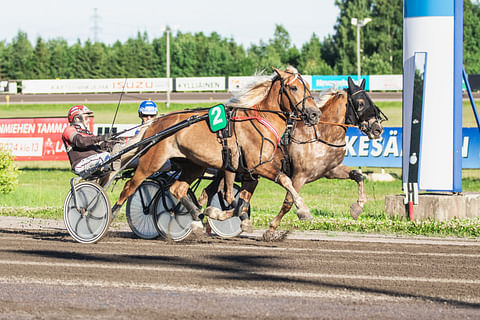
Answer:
[(76, 111)]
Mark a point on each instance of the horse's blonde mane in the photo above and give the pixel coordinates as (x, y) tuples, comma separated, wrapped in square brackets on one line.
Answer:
[(253, 93), (257, 90), (329, 94)]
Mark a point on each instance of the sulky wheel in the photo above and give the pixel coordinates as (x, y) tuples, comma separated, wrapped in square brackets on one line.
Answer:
[(87, 219), (140, 207), (230, 227), (171, 218)]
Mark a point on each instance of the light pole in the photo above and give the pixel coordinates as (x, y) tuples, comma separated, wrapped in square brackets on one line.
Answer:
[(167, 32), (359, 23)]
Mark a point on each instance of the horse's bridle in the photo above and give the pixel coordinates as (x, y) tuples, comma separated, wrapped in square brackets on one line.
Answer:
[(294, 106)]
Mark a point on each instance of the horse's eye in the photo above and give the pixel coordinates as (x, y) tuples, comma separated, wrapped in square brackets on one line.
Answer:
[(294, 88), (361, 105)]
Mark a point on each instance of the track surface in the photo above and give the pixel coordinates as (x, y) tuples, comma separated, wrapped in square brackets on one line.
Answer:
[(44, 274)]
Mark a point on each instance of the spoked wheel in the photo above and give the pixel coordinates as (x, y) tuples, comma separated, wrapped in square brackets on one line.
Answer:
[(140, 208), (230, 227), (89, 220), (171, 218)]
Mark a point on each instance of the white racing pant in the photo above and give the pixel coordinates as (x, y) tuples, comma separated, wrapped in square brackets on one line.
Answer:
[(91, 161)]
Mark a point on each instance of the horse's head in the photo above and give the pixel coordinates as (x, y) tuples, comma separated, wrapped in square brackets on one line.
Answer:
[(295, 96), (362, 112)]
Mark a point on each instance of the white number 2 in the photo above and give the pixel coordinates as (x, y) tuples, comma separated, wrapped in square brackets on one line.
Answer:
[(217, 112)]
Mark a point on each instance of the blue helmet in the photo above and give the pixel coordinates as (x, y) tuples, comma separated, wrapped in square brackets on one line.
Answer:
[(147, 108)]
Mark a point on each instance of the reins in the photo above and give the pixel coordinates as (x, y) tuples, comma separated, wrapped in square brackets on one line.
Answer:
[(318, 139)]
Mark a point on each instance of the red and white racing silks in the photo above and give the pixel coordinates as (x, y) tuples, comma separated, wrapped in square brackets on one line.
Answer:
[(82, 148)]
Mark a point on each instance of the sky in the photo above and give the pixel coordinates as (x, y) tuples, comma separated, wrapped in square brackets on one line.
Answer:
[(246, 21)]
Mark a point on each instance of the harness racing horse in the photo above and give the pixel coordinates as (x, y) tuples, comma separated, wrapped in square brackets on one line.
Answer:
[(318, 151), (250, 149), (313, 152)]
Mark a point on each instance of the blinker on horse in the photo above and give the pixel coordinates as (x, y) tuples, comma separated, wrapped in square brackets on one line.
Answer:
[(362, 112), (252, 146)]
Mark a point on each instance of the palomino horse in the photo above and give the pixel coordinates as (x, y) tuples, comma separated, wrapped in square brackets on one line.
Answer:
[(318, 151), (258, 119)]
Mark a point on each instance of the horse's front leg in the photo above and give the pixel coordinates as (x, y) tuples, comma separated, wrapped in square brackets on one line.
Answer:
[(344, 172), (303, 212), (272, 234)]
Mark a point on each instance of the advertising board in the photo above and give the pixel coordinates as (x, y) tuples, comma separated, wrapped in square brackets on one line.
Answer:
[(95, 85), (386, 152), (200, 84), (339, 82), (34, 139), (39, 139)]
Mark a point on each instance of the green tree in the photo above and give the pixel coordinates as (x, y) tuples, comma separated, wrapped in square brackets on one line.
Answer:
[(19, 63), (344, 39), (383, 38), (60, 59), (139, 54), (90, 60), (3, 59), (471, 36), (184, 59), (41, 60), (159, 47), (311, 61)]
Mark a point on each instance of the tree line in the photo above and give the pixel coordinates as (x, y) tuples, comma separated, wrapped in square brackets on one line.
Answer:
[(198, 54)]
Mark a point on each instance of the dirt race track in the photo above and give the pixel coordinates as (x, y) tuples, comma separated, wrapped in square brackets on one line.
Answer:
[(44, 274)]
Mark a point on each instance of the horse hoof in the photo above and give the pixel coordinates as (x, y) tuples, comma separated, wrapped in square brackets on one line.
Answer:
[(304, 214), (213, 212), (197, 228), (246, 226), (271, 236), (355, 210), (218, 214)]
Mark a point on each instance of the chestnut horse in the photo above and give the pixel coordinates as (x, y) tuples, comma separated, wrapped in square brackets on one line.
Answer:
[(318, 151), (259, 118)]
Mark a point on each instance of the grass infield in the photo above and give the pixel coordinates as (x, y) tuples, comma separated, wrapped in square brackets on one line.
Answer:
[(41, 193), (43, 185)]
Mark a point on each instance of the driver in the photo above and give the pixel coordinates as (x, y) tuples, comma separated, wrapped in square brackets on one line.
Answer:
[(147, 112), (82, 146)]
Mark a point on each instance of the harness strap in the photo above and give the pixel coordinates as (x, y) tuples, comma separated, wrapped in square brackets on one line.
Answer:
[(223, 135), (262, 121)]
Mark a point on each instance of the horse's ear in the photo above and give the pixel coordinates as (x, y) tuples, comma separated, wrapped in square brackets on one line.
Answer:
[(279, 72), (351, 84), (362, 85)]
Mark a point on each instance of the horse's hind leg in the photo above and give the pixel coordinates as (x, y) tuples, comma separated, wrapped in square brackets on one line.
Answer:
[(216, 213), (344, 172), (129, 188), (243, 205), (179, 189), (209, 191)]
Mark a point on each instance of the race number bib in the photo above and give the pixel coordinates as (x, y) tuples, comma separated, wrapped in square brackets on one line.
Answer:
[(217, 118)]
